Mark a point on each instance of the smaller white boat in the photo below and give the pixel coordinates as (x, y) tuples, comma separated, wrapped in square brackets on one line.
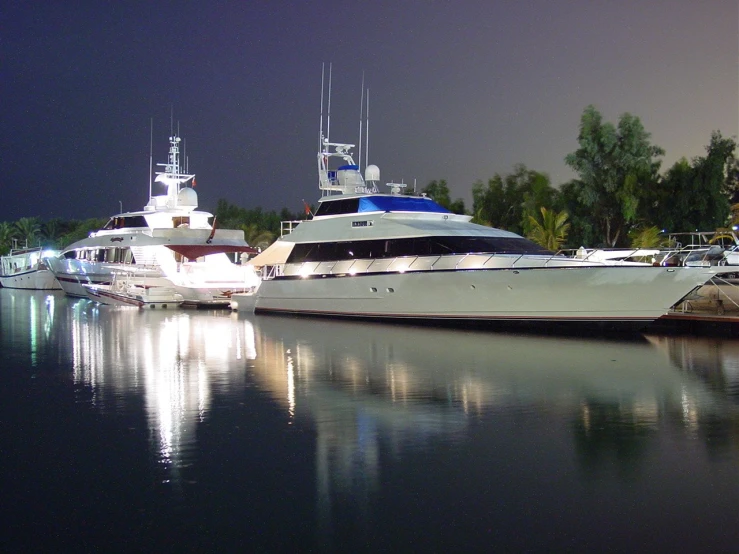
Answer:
[(619, 256), (26, 268), (135, 294)]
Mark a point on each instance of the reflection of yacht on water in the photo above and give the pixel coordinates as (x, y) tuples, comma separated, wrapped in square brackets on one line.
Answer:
[(361, 405), (367, 254), (373, 389), (715, 361), (168, 239), (174, 359), (418, 366)]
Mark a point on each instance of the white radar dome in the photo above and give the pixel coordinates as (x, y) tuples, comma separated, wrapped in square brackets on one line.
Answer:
[(187, 197), (372, 173)]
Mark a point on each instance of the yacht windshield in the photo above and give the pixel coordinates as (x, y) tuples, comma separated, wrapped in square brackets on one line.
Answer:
[(379, 203), (126, 222)]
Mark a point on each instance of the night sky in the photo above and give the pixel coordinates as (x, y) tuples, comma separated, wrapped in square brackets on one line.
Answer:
[(459, 90)]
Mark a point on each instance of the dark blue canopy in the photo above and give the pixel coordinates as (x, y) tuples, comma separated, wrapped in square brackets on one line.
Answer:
[(399, 204)]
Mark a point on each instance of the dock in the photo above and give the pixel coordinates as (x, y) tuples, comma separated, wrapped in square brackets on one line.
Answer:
[(698, 322)]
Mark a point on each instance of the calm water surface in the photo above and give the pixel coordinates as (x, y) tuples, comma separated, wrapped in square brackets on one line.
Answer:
[(172, 431)]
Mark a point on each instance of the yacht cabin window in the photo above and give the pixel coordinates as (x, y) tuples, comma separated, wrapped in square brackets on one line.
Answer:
[(127, 222), (415, 246), (336, 207)]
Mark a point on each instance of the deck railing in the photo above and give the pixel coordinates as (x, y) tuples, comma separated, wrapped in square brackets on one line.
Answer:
[(402, 264)]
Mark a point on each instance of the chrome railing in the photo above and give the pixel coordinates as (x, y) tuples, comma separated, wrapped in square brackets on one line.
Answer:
[(402, 264)]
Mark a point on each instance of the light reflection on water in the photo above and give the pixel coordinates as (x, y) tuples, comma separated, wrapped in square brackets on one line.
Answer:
[(374, 396)]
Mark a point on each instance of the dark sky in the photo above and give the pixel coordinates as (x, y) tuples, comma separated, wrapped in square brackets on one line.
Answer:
[(459, 90)]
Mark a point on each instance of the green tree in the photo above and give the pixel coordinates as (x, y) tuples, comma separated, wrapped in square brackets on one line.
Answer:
[(77, 230), (647, 237), (51, 232), (490, 203), (438, 191), (538, 193), (507, 201), (615, 164), (257, 237), (697, 195), (7, 234), (582, 231), (712, 173), (551, 231), (29, 230)]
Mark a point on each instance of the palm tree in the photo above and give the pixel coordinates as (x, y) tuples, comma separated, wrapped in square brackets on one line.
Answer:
[(7, 233), (480, 219), (51, 231), (551, 231), (257, 237), (647, 237), (79, 230), (28, 230)]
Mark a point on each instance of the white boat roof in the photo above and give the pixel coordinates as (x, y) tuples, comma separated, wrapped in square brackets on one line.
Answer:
[(381, 225), (275, 254), (451, 227)]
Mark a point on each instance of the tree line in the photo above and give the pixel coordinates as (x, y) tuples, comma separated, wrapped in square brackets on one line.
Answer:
[(260, 227), (619, 197)]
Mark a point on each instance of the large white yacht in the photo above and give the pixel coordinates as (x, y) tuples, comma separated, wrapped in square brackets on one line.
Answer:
[(390, 256), (169, 242)]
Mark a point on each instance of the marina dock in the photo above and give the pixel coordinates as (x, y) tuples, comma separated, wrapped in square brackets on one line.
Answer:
[(701, 321)]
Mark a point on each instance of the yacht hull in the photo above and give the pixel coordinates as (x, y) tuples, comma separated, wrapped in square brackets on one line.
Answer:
[(628, 297), (73, 275), (200, 284), (36, 279)]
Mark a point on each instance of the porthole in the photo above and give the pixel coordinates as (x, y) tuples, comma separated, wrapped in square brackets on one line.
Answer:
[(390, 289), (373, 289)]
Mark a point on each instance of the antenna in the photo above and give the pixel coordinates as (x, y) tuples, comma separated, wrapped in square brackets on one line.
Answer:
[(361, 106), (151, 151), (328, 117), (320, 129), (366, 153)]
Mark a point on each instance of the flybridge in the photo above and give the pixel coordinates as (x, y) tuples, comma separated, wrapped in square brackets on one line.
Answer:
[(346, 178)]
